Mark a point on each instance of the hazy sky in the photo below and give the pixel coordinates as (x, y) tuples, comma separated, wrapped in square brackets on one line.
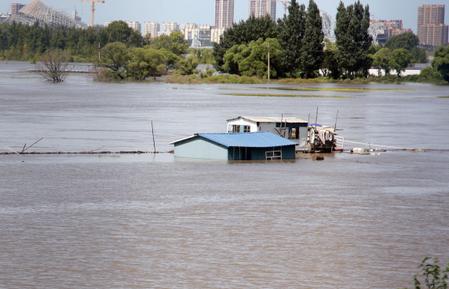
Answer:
[(202, 11)]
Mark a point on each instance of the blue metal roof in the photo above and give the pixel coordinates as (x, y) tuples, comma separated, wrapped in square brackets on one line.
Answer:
[(250, 140)]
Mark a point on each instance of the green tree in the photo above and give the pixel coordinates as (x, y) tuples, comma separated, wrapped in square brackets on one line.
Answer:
[(187, 65), (202, 55), (115, 57), (174, 43), (353, 39), (312, 49), (400, 60), (410, 42), (432, 275), (243, 33), (119, 31), (441, 62), (256, 63), (382, 61), (146, 62), (406, 40), (291, 35), (233, 57), (252, 59), (330, 64)]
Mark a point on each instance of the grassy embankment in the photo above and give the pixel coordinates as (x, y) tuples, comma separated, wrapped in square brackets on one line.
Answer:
[(236, 79)]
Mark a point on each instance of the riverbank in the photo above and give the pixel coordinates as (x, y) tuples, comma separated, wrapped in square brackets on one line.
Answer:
[(236, 79)]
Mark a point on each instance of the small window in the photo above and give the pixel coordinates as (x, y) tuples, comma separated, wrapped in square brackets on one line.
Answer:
[(273, 155), (246, 128), (293, 134), (278, 124), (235, 128)]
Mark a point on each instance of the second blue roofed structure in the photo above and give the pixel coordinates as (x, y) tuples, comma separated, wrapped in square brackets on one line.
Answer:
[(235, 146)]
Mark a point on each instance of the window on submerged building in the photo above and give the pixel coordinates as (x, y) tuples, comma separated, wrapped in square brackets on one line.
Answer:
[(293, 133), (246, 128), (235, 128)]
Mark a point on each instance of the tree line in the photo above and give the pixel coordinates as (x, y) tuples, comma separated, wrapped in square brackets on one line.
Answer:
[(28, 42), (297, 47), (298, 43), (293, 47)]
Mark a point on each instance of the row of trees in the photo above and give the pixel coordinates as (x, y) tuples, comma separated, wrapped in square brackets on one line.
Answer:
[(386, 60), (298, 42), (24, 42), (168, 52), (297, 47)]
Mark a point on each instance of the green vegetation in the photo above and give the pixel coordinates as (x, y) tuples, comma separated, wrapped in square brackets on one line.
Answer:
[(217, 79), (286, 95), (441, 62), (312, 54), (302, 52), (333, 89), (410, 42), (291, 34), (290, 51), (244, 32), (353, 40), (119, 62), (400, 60), (23, 42), (252, 59), (432, 275)]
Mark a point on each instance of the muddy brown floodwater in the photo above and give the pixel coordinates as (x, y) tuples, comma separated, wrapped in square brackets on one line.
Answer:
[(148, 221)]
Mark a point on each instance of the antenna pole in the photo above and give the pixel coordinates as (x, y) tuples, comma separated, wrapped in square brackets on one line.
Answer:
[(336, 120), (316, 116)]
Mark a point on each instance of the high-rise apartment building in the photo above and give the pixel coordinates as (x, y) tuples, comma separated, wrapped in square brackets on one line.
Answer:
[(135, 25), (431, 28), (151, 29), (168, 28), (224, 13), (261, 8), (15, 8)]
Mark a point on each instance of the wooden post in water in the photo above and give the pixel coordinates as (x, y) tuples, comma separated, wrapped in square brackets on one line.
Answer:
[(154, 141)]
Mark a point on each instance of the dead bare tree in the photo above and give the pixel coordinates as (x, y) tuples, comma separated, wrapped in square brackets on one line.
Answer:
[(53, 65)]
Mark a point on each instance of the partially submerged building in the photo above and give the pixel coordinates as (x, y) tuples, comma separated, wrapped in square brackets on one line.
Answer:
[(291, 128), (258, 146)]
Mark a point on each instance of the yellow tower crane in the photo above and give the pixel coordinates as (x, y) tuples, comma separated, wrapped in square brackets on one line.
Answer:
[(92, 10)]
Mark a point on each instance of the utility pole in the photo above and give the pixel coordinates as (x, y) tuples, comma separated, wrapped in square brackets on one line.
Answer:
[(269, 63)]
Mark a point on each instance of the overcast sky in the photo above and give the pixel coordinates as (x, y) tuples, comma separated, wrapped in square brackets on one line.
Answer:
[(202, 11)]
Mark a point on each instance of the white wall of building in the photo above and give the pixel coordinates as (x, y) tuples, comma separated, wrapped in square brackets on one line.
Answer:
[(242, 122)]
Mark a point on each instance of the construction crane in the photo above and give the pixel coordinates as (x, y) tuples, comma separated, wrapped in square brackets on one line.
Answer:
[(92, 10), (286, 4)]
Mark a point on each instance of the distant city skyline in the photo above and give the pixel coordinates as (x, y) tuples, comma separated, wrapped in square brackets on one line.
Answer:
[(203, 11)]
